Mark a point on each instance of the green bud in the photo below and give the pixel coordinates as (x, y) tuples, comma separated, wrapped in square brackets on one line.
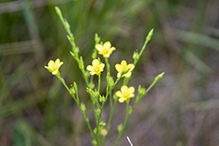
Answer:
[(98, 111), (102, 124), (159, 76), (94, 143), (72, 91), (95, 130), (83, 107), (72, 54), (76, 50), (94, 55), (67, 26), (76, 87), (58, 11), (96, 94), (141, 90), (119, 128), (97, 39), (81, 65), (91, 92), (70, 38), (102, 99), (91, 85), (150, 35), (135, 55), (110, 80), (115, 97), (87, 74)]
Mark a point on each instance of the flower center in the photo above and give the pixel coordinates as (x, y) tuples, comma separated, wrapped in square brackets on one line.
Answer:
[(105, 51), (125, 95), (96, 69), (54, 68)]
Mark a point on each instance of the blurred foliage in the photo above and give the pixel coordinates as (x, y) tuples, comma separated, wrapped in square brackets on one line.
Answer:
[(35, 109)]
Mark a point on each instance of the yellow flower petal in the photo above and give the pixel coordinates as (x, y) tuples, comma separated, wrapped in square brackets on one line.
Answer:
[(118, 67), (99, 47), (90, 68), (107, 45), (128, 74), (51, 63), (119, 94), (112, 49), (55, 72), (101, 66), (124, 89), (131, 95), (131, 90), (131, 66), (121, 100), (123, 63), (95, 62), (118, 74)]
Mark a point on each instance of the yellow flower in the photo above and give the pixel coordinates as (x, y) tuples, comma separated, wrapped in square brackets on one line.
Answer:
[(123, 67), (105, 49), (125, 93), (96, 67), (53, 67)]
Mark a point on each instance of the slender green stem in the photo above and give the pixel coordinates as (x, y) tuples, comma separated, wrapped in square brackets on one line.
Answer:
[(87, 122), (112, 109), (107, 65), (139, 97), (127, 115), (63, 82), (85, 78), (99, 82), (77, 101), (148, 38), (111, 88)]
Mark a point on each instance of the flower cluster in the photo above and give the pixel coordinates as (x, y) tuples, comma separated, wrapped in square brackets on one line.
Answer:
[(124, 71), (97, 67)]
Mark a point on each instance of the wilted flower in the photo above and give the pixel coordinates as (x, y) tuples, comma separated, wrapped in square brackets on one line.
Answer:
[(103, 132)]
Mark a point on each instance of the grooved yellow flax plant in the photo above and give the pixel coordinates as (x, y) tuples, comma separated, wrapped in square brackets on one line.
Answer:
[(96, 67), (98, 132), (53, 67), (125, 93), (123, 67), (105, 49)]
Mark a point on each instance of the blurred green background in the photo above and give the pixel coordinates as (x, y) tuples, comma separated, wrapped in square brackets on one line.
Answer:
[(181, 110)]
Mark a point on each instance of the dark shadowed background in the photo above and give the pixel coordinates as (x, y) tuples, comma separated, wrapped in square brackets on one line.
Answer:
[(182, 108)]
